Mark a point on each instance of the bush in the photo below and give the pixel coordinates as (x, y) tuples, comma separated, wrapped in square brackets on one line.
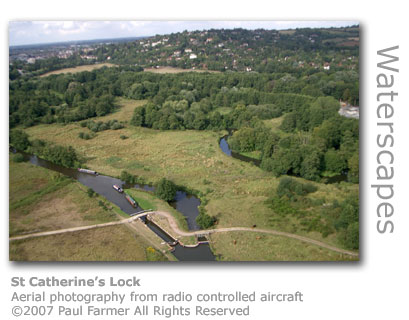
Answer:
[(291, 188), (352, 236), (85, 135), (205, 221), (129, 178), (18, 157), (90, 192), (123, 137), (282, 206), (19, 140), (165, 189), (154, 255), (64, 156)]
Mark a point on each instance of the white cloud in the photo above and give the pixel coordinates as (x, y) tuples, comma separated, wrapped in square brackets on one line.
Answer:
[(26, 32)]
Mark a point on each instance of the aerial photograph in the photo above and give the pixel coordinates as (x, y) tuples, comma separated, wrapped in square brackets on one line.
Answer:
[(184, 141)]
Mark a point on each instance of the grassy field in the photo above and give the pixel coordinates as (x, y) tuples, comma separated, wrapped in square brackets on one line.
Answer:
[(236, 190), (124, 112), (89, 67), (42, 200), (176, 70), (233, 246), (116, 243)]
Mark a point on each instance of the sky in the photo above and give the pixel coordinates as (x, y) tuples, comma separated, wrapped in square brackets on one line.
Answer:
[(33, 32)]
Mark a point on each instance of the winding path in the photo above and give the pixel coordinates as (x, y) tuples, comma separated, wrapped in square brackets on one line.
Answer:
[(174, 226)]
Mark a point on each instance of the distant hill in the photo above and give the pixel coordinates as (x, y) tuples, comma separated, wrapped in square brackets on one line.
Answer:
[(242, 50), (303, 50)]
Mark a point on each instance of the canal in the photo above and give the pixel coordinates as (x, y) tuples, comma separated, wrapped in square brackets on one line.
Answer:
[(101, 184)]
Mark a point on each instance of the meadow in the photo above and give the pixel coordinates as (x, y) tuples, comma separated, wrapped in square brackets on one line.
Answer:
[(234, 246), (116, 243), (43, 200)]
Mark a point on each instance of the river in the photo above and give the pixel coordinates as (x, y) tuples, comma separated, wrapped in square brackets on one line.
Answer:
[(186, 204), (224, 146)]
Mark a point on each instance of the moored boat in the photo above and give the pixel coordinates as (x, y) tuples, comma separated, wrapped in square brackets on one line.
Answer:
[(131, 201), (117, 188), (88, 171)]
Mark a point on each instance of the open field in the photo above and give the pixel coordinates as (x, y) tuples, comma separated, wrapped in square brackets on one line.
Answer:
[(236, 190), (43, 200), (124, 112), (116, 243), (176, 70), (246, 246), (89, 67)]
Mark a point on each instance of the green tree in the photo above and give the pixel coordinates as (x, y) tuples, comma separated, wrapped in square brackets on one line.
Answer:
[(353, 168), (335, 161), (351, 240), (19, 140), (165, 189), (205, 221), (289, 122)]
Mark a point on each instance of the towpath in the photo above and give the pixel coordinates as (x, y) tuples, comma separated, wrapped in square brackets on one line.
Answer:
[(173, 224)]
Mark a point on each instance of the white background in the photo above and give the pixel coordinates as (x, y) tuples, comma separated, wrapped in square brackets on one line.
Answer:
[(376, 287)]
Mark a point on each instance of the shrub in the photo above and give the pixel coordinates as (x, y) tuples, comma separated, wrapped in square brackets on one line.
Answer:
[(205, 221), (19, 139), (165, 189), (129, 178), (154, 255), (282, 206), (90, 192), (123, 137), (18, 157), (352, 236), (291, 188)]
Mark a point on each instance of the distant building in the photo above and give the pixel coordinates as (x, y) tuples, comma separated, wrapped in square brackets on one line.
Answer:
[(192, 56), (348, 111)]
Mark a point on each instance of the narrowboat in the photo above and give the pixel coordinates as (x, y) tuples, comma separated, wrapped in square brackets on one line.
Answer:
[(117, 188), (88, 171), (131, 201)]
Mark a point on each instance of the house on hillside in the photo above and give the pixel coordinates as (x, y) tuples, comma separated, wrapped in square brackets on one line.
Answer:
[(349, 111)]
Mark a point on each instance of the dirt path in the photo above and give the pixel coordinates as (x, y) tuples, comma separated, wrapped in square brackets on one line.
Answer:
[(75, 229), (173, 224), (175, 228)]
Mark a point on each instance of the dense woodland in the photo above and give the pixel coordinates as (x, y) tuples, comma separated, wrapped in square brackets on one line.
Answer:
[(287, 81)]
